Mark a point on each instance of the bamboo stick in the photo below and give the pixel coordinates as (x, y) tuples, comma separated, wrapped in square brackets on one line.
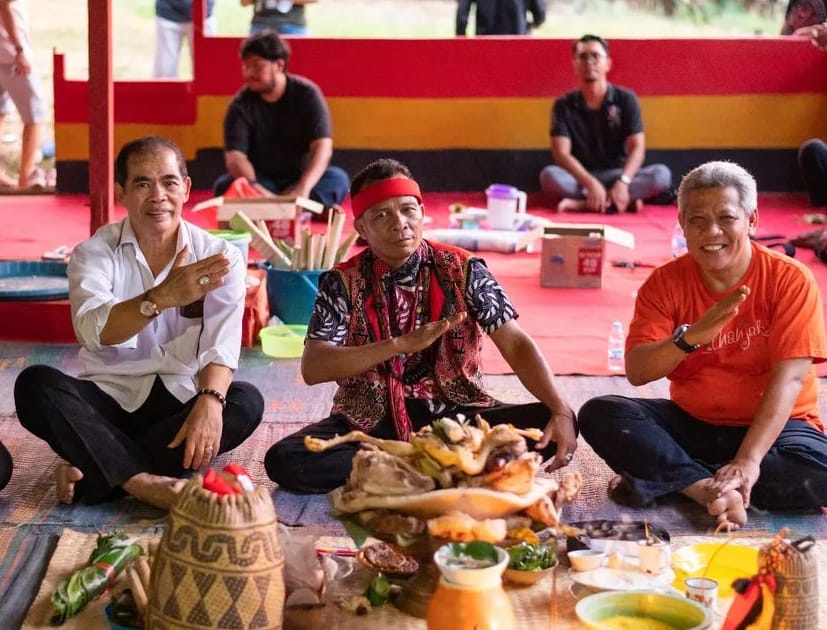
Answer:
[(320, 252), (345, 247), (333, 236)]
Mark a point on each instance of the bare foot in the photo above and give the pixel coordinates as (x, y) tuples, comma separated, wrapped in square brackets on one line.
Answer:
[(729, 508), (571, 205), (159, 491), (66, 476)]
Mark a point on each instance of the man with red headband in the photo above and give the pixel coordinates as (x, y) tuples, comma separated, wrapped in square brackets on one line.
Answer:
[(400, 328)]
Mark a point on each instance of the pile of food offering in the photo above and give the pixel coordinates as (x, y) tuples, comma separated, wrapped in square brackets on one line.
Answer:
[(455, 479)]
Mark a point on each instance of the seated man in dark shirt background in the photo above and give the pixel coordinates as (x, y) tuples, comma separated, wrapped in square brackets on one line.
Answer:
[(277, 130), (598, 143)]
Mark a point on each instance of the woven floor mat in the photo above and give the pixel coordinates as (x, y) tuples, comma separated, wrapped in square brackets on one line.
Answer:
[(532, 605), (72, 553)]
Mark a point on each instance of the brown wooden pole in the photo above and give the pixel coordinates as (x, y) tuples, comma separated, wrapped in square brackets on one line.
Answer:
[(101, 114)]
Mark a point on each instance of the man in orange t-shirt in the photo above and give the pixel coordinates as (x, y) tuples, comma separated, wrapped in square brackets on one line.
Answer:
[(737, 329)]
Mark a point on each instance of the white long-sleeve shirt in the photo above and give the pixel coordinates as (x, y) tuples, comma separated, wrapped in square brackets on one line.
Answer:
[(109, 268)]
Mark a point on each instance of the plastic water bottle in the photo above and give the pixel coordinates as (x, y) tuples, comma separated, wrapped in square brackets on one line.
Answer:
[(617, 347), (678, 241)]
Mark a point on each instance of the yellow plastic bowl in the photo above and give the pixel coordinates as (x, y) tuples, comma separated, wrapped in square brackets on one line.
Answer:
[(283, 341)]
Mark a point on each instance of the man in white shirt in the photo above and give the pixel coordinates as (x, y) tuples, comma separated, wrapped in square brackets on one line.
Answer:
[(157, 305)]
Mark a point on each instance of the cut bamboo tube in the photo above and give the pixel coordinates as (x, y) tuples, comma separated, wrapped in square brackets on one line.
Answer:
[(345, 247), (332, 238), (261, 241)]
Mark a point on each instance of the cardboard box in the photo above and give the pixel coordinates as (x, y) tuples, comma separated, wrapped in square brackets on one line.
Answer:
[(278, 208), (574, 253)]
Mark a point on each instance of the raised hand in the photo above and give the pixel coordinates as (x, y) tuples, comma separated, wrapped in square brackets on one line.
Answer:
[(186, 284), (424, 336), (719, 314)]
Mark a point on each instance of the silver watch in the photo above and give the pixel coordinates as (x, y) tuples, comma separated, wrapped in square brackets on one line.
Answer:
[(625, 178)]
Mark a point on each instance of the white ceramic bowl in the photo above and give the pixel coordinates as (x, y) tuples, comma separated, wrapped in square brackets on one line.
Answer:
[(585, 559), (464, 576)]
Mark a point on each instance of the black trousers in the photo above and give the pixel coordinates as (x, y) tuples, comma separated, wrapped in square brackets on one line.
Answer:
[(812, 159), (90, 430), (660, 449), (293, 467), (5, 466)]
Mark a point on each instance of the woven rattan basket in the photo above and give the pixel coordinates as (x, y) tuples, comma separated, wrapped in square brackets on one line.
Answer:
[(219, 564), (796, 573)]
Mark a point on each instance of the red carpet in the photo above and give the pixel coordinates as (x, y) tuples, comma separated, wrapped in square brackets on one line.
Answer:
[(570, 325)]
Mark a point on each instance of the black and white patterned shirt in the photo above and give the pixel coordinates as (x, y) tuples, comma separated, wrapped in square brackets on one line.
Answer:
[(485, 299)]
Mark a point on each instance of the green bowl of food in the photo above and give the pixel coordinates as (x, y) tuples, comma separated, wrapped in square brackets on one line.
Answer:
[(528, 563), (641, 610)]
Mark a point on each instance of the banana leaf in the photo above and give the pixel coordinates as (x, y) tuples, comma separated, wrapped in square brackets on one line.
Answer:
[(112, 554)]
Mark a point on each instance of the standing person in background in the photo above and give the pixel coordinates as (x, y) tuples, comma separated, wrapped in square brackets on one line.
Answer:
[(803, 15), (597, 142), (173, 23), (285, 17), (501, 17), (23, 87)]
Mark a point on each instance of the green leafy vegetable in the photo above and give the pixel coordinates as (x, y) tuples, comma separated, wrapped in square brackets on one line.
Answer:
[(528, 557), (379, 590), (476, 549)]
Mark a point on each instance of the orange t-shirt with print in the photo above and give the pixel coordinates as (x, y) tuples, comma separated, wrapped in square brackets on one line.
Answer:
[(723, 381)]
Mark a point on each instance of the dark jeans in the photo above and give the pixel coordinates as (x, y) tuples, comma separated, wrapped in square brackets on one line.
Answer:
[(5, 466), (331, 189), (89, 429), (293, 467), (812, 159), (660, 449)]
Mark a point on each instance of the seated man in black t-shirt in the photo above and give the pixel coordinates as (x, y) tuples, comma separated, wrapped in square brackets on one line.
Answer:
[(277, 130), (597, 142)]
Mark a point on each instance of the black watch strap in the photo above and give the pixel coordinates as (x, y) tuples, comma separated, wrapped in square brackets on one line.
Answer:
[(678, 340)]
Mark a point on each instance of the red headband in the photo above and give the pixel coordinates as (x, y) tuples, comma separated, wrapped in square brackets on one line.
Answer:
[(382, 190)]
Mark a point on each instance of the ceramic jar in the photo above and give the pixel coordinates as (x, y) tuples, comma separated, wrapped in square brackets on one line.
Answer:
[(470, 599)]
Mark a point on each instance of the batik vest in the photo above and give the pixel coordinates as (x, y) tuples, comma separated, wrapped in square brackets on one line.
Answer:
[(364, 399)]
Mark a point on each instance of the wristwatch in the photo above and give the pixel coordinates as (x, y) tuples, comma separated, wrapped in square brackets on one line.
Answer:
[(625, 178), (678, 340), (148, 308)]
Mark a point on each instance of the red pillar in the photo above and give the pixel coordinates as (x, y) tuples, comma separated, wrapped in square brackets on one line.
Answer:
[(101, 114), (199, 14)]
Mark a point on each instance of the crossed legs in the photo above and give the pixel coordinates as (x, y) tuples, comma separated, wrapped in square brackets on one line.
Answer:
[(658, 449), (108, 450)]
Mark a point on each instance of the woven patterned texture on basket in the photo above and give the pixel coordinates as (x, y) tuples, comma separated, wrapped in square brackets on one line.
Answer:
[(219, 564), (796, 575)]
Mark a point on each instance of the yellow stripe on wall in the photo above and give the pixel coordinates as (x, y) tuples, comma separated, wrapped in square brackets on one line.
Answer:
[(766, 121), (671, 122)]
